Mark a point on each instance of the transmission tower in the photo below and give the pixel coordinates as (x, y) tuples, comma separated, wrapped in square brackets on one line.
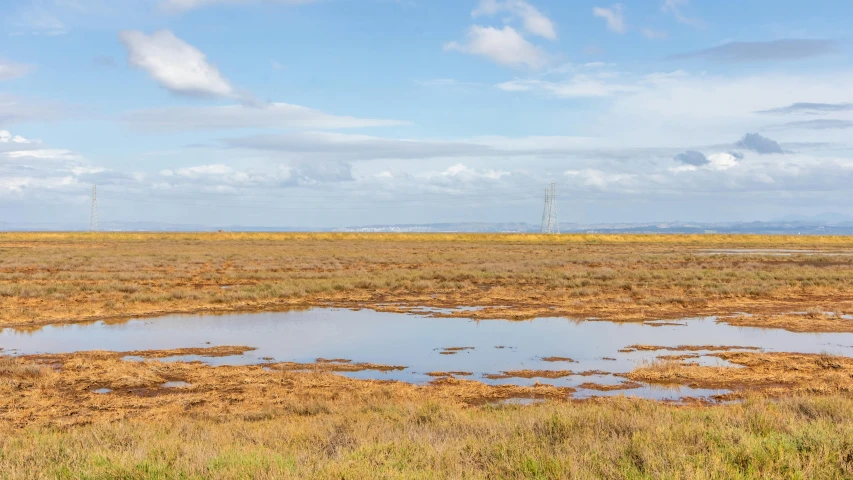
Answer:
[(94, 223), (549, 214)]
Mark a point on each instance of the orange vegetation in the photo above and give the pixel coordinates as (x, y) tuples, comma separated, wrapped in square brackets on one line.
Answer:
[(773, 373), (65, 277), (809, 322)]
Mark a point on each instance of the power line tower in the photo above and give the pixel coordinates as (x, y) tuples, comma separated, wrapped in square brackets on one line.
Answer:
[(549, 214), (94, 223)]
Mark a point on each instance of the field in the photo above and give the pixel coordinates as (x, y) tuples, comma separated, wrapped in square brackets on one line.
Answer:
[(45, 278), (791, 414)]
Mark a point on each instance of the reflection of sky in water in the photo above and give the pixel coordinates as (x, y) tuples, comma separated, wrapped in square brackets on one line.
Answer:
[(415, 341)]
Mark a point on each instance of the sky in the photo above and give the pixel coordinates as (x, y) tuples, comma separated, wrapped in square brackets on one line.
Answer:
[(332, 113)]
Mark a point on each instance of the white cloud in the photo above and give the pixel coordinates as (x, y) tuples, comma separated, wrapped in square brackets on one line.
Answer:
[(44, 154), (176, 6), (175, 64), (679, 109), (461, 171), (221, 177), (613, 16), (11, 70), (598, 179), (533, 20), (274, 115), (722, 161), (504, 46), (684, 109), (7, 137)]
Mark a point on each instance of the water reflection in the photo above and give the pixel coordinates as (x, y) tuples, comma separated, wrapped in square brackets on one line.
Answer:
[(417, 341)]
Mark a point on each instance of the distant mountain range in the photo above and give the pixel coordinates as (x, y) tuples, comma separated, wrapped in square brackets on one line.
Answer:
[(827, 224)]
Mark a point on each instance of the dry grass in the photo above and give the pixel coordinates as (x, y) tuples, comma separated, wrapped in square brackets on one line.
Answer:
[(375, 437), (684, 348), (558, 359), (772, 373), (529, 374), (610, 388), (247, 422), (324, 365), (275, 422), (67, 277), (59, 389), (809, 322)]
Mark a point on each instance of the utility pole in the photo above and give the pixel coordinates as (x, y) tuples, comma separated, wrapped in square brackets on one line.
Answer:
[(94, 223), (550, 224)]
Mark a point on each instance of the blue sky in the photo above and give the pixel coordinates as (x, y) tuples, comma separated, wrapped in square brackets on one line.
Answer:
[(330, 113)]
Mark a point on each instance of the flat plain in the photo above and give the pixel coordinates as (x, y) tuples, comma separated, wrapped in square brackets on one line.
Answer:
[(788, 413)]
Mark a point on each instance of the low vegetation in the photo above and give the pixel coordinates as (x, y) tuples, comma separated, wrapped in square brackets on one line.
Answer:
[(98, 415), (50, 277), (246, 422)]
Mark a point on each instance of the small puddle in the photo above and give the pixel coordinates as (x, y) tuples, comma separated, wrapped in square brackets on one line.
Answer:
[(499, 348), (102, 391)]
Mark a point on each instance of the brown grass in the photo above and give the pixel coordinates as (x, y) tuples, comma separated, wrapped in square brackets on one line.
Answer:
[(557, 359), (529, 374), (333, 366), (810, 322), (684, 348), (773, 373), (610, 388), (245, 422), (58, 389), (69, 277), (376, 437)]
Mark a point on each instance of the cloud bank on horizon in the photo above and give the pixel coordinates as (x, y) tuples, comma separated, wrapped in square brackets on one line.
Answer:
[(331, 113)]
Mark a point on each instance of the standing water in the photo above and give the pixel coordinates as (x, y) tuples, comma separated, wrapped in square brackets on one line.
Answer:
[(424, 344)]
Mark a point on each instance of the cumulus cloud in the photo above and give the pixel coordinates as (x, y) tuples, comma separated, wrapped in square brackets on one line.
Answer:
[(176, 65), (759, 144), (806, 108), (221, 177), (774, 50), (26, 163), (10, 70), (533, 20), (7, 137), (724, 161), (504, 46), (274, 115), (176, 6), (692, 157), (613, 16)]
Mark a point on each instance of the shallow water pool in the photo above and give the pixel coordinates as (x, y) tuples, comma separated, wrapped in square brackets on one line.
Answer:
[(418, 343)]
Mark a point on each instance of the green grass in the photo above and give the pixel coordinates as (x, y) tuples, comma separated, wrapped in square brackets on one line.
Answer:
[(789, 438)]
